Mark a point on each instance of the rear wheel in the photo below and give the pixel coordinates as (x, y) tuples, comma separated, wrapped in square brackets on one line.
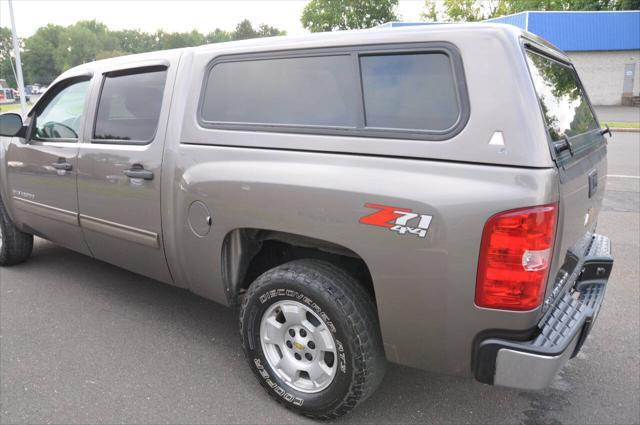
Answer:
[(15, 246), (311, 335)]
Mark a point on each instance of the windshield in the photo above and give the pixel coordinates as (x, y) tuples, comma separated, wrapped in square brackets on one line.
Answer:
[(564, 105)]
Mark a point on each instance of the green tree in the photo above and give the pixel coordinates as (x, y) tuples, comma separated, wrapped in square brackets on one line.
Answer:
[(218, 36), (515, 6), (478, 10), (6, 52), (244, 30), (430, 12), (6, 43), (627, 5), (105, 38), (134, 41), (175, 40), (54, 49), (459, 10), (39, 54), (464, 10), (330, 15), (78, 45), (106, 54), (265, 30)]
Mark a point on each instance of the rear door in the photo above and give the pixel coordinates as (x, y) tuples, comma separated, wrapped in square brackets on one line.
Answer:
[(579, 149), (42, 168), (120, 167)]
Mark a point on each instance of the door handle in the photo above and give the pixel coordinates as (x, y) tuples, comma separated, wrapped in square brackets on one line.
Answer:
[(62, 165), (137, 171)]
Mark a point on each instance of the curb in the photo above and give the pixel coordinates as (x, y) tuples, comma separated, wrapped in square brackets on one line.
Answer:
[(625, 130)]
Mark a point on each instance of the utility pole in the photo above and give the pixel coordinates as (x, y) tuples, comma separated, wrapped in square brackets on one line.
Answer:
[(16, 52)]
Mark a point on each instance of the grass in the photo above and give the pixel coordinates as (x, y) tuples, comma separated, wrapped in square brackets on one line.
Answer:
[(12, 107), (621, 124)]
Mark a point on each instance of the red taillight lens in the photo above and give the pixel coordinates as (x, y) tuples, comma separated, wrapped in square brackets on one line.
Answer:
[(515, 256)]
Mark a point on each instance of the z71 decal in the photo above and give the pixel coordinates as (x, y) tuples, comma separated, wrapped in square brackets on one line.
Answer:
[(398, 219)]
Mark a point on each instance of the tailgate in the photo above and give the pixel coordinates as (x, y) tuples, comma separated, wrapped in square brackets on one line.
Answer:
[(579, 150)]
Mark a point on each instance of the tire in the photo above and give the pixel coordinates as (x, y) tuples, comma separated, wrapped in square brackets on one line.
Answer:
[(15, 246), (336, 307)]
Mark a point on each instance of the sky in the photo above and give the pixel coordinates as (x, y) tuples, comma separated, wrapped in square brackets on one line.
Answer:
[(168, 15)]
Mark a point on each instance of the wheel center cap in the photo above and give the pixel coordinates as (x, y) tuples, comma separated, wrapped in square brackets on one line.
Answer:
[(298, 345)]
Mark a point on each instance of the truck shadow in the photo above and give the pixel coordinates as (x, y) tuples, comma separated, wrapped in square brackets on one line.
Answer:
[(201, 337)]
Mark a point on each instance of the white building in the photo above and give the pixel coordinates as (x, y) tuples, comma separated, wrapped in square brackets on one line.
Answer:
[(604, 47)]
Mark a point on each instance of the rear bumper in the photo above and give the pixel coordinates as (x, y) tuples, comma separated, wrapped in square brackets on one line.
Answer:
[(533, 363)]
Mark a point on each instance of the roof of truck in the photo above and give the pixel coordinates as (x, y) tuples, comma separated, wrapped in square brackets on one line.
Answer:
[(331, 39)]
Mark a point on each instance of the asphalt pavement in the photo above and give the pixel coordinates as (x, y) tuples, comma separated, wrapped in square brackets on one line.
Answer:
[(82, 341), (618, 113)]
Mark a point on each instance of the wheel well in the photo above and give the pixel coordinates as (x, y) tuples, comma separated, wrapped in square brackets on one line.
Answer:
[(247, 253)]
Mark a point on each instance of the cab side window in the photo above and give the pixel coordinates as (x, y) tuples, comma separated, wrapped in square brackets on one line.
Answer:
[(129, 106), (61, 117)]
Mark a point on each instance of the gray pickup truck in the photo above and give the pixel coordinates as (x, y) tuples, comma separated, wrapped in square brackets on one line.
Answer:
[(425, 196)]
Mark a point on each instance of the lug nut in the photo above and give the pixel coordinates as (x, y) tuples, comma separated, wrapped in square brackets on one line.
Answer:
[(303, 333), (292, 332), (308, 357), (289, 344), (298, 357), (311, 345)]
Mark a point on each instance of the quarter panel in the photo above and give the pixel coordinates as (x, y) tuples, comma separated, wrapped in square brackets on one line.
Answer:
[(424, 286)]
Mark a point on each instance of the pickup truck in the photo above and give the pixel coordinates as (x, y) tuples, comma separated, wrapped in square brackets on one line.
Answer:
[(426, 196)]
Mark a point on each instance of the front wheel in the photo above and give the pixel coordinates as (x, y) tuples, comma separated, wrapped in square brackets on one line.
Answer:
[(15, 246), (310, 334)]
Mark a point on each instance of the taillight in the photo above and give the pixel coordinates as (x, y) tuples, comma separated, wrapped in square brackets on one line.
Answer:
[(515, 255)]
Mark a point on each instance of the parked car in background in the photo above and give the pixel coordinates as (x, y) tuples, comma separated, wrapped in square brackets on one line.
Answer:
[(6, 96), (17, 96), (6, 92)]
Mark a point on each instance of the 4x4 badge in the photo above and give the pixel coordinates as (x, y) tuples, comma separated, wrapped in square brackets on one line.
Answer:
[(398, 219)]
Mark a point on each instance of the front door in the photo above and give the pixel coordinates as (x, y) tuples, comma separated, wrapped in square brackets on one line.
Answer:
[(120, 166), (629, 76), (42, 166)]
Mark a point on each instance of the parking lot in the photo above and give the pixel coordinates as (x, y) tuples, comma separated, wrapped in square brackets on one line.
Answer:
[(85, 342)]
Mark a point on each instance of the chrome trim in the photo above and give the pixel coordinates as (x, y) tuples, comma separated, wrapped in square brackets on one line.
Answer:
[(47, 211), (527, 371), (120, 231)]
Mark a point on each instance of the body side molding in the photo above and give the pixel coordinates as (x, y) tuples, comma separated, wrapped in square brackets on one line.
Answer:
[(47, 211), (120, 231)]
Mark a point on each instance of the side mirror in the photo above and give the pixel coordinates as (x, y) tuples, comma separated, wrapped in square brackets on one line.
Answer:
[(10, 124), (606, 130)]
